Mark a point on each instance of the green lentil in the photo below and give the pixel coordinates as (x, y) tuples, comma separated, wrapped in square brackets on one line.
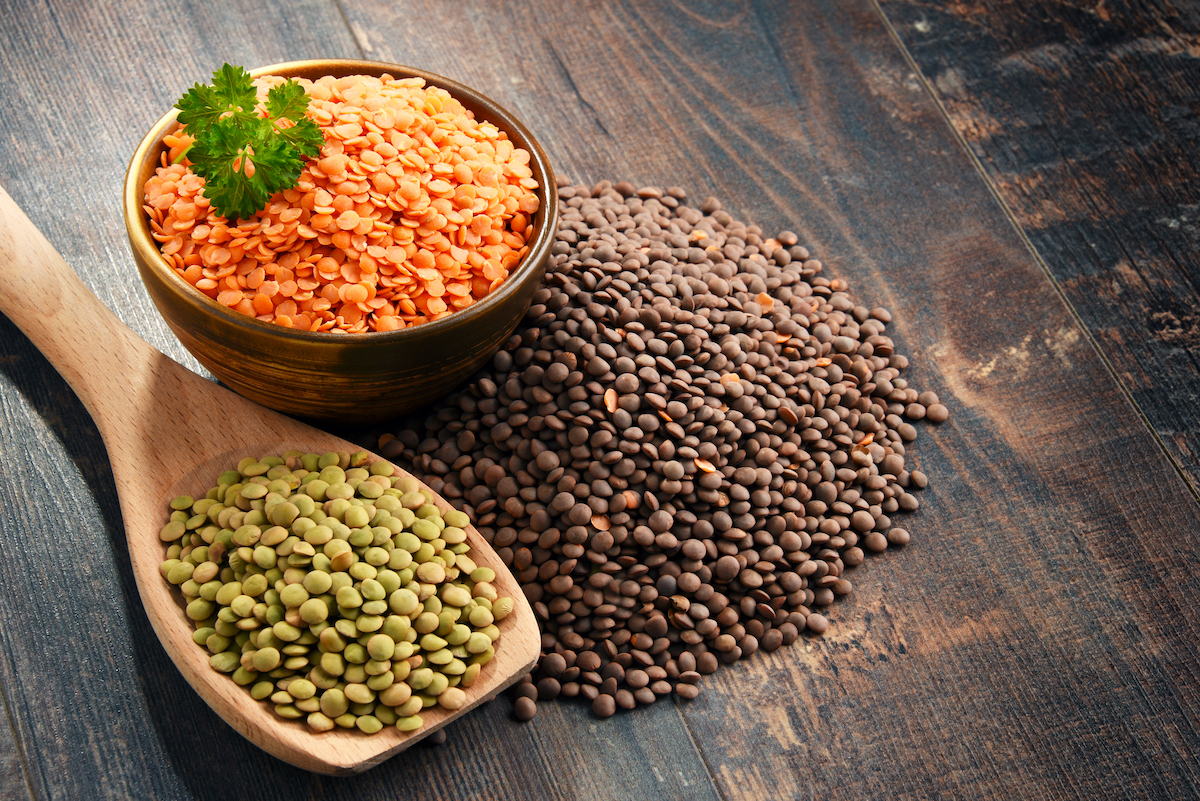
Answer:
[(172, 531), (441, 657), (244, 677), (403, 601), (478, 642), (200, 609), (480, 616), (318, 721), (374, 607), (452, 698), (456, 596), (224, 662), (360, 693), (502, 608), (458, 635), (266, 660), (349, 598), (438, 685), (410, 723), (381, 647), (293, 595), (254, 585), (288, 711), (369, 724), (261, 689)]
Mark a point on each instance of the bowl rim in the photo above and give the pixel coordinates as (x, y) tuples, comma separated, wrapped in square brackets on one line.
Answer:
[(138, 225)]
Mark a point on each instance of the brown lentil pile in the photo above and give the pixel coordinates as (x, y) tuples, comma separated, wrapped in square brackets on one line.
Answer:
[(686, 444)]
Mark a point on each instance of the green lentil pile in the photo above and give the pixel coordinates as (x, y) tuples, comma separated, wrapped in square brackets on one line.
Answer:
[(334, 589)]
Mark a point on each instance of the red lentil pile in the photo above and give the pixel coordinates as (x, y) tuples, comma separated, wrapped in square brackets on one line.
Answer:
[(413, 209)]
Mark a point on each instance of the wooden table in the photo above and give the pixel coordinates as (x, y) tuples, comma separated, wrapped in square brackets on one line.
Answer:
[(1018, 186)]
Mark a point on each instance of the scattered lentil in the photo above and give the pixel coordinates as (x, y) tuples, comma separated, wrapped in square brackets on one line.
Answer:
[(681, 451)]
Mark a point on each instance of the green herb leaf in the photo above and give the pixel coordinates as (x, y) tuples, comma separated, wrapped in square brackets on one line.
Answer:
[(231, 95), (289, 101), (244, 157)]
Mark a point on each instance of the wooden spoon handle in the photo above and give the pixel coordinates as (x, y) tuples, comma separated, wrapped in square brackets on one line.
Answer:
[(93, 350)]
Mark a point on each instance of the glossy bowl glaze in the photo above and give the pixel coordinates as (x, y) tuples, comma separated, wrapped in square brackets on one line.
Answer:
[(323, 376)]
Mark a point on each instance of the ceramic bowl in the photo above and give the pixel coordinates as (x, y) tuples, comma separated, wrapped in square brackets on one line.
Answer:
[(323, 376)]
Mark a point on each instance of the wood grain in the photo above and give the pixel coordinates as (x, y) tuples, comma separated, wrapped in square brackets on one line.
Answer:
[(1003, 645), (13, 781), (1035, 640), (1086, 121)]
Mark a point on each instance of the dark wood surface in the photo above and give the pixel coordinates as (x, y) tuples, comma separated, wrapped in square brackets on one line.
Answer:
[(1085, 118), (1016, 185)]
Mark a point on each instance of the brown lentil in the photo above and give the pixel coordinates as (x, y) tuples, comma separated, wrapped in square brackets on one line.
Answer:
[(689, 440)]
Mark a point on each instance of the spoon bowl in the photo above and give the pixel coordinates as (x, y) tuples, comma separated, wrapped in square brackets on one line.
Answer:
[(170, 432)]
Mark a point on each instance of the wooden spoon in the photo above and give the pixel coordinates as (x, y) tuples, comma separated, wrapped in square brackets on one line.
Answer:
[(170, 432)]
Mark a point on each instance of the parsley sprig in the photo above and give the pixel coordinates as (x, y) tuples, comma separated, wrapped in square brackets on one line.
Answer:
[(244, 157)]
